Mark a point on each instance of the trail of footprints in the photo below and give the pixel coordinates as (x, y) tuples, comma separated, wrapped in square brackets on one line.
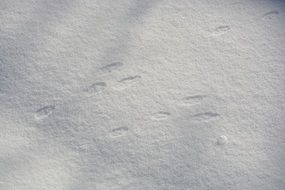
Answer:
[(95, 88), (44, 112), (189, 101), (125, 82), (201, 116), (222, 29)]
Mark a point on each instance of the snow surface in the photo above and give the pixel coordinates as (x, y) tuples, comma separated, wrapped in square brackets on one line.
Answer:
[(142, 95)]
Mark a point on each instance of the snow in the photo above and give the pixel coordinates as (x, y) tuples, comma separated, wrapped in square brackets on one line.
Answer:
[(142, 95)]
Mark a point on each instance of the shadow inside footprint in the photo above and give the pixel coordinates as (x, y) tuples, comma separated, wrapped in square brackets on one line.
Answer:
[(270, 14), (44, 112), (111, 67), (96, 87), (206, 116), (117, 132), (161, 115), (221, 30), (128, 81), (190, 100)]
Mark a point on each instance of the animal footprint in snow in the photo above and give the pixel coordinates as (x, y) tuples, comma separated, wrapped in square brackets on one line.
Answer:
[(206, 116), (117, 132), (44, 112), (128, 81), (270, 15), (111, 67), (162, 115), (96, 87), (221, 30), (191, 100)]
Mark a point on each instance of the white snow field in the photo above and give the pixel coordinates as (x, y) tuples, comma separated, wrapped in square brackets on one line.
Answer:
[(142, 95)]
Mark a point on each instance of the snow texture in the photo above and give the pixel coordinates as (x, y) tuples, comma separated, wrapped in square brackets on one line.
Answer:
[(142, 95)]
